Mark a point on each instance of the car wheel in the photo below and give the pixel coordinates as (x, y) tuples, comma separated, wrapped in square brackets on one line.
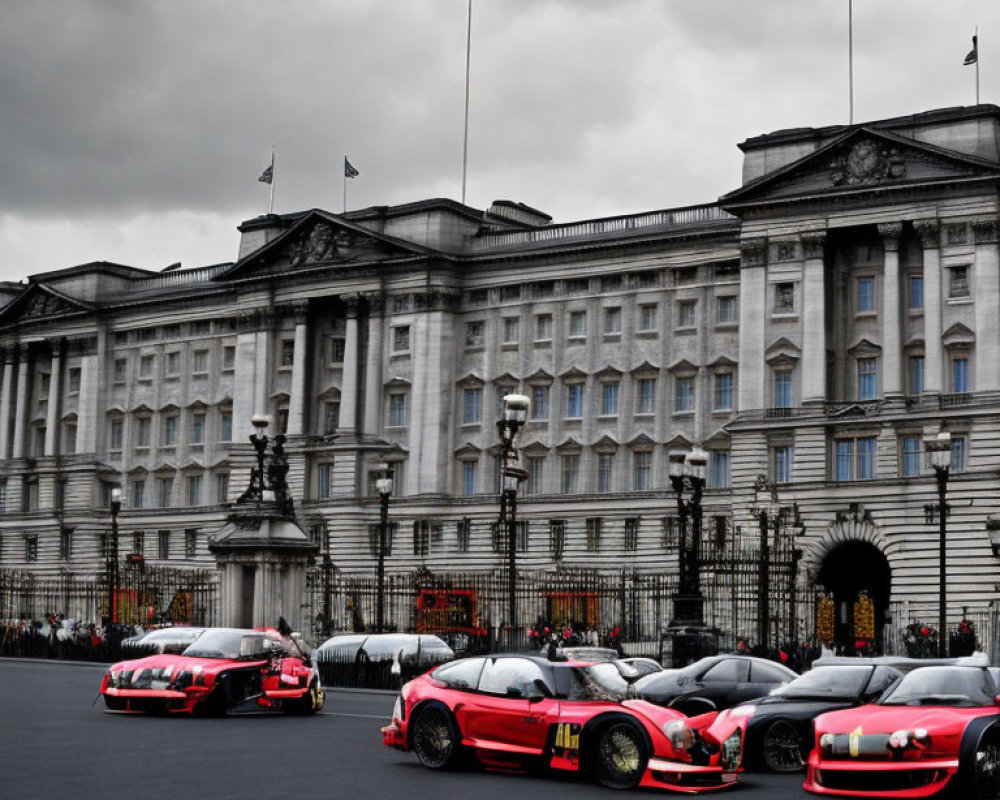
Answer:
[(619, 756), (781, 747), (986, 769), (310, 703), (434, 737)]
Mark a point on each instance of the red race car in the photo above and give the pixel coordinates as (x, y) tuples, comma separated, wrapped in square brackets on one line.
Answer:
[(939, 726), (225, 670), (516, 711)]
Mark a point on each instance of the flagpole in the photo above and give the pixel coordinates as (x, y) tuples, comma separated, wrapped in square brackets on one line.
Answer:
[(977, 65), (850, 56), (465, 143), (344, 208), (270, 207)]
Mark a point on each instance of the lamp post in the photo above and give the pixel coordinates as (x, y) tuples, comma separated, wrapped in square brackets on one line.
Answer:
[(383, 485), (768, 512), (259, 441), (938, 449), (116, 505), (687, 477), (513, 418)]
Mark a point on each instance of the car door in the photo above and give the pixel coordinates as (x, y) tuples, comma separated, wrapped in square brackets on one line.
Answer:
[(513, 707), (726, 682)]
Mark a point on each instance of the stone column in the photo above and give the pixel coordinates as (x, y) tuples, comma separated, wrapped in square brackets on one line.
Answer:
[(928, 231), (892, 376), (753, 313), (813, 318), (6, 391), (21, 407), (297, 399), (986, 281), (52, 411), (371, 422), (349, 384)]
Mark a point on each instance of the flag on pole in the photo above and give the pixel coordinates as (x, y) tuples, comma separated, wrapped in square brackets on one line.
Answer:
[(349, 171), (973, 55), (267, 176)]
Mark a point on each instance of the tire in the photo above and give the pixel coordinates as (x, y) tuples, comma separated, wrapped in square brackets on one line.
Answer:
[(985, 776), (618, 756), (310, 703), (781, 747), (434, 737)]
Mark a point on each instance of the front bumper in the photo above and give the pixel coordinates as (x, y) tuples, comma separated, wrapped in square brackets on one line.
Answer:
[(663, 773), (393, 735), (878, 778)]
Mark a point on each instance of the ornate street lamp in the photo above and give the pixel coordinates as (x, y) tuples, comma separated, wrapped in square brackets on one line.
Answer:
[(687, 470), (383, 485), (259, 441), (116, 506), (768, 512), (938, 449), (513, 418)]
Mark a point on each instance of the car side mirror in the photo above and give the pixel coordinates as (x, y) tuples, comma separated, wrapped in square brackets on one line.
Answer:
[(514, 691)]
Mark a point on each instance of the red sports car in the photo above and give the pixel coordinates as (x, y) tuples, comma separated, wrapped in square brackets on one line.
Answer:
[(516, 711), (939, 726), (225, 670)]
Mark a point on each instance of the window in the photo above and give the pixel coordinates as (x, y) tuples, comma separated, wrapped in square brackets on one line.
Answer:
[(138, 543), (400, 303), (190, 542), (866, 379), (718, 469), (164, 487), (173, 363), (198, 428), (723, 391), (463, 534), (468, 478), (959, 374), (783, 389), (866, 295), (683, 395), (632, 533), (609, 399), (645, 399), (511, 292), (647, 317), (3, 494), (576, 285), (201, 327), (910, 455), (338, 347), (543, 327), (784, 298), (593, 534), (69, 437), (65, 543), (225, 426), (421, 537), (287, 352), (605, 471), (642, 463), (613, 320), (915, 293), (959, 453), (557, 538), (474, 334), (199, 361), (782, 457), (397, 410), (577, 323), (29, 493), (536, 465), (570, 464), (958, 285), (170, 430), (31, 548), (324, 480), (139, 493), (686, 313), (510, 329), (228, 357), (147, 334), (121, 369), (146, 366), (472, 406), (540, 402), (194, 490), (374, 534), (855, 458), (221, 488), (121, 337), (115, 433), (727, 310), (163, 544), (74, 380), (331, 417), (916, 375), (574, 401), (143, 427), (401, 338)]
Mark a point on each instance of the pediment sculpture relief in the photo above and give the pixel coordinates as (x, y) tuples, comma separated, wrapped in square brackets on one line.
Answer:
[(868, 162), (323, 243)]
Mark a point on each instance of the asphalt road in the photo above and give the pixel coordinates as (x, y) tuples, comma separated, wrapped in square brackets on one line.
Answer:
[(56, 742)]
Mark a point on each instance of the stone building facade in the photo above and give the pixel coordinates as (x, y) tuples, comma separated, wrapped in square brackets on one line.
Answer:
[(812, 325)]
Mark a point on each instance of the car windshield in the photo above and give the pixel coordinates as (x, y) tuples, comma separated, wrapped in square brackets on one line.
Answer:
[(172, 635), (230, 643), (597, 682), (943, 686), (846, 682)]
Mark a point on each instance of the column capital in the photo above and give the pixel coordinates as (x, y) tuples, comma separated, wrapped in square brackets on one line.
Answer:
[(890, 233), (352, 303), (813, 243), (929, 233), (376, 302), (299, 311), (753, 252), (985, 230), (57, 346)]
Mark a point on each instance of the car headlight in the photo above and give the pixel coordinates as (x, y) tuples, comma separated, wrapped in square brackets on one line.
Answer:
[(681, 736), (826, 741), (902, 738), (732, 751), (181, 680)]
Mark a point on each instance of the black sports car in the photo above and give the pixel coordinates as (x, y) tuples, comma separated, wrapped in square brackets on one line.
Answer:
[(713, 683), (779, 725)]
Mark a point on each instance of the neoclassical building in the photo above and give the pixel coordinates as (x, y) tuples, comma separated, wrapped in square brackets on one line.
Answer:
[(812, 325)]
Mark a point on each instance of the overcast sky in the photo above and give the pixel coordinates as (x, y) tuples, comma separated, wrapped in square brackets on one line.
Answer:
[(135, 131)]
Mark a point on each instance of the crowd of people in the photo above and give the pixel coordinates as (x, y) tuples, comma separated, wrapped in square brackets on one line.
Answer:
[(56, 636)]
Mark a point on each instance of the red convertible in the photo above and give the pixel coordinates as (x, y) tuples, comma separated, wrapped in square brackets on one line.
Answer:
[(939, 726), (515, 711), (225, 670)]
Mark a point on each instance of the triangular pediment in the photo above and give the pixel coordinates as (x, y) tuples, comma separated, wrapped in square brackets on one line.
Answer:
[(321, 240), (39, 302), (862, 160)]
